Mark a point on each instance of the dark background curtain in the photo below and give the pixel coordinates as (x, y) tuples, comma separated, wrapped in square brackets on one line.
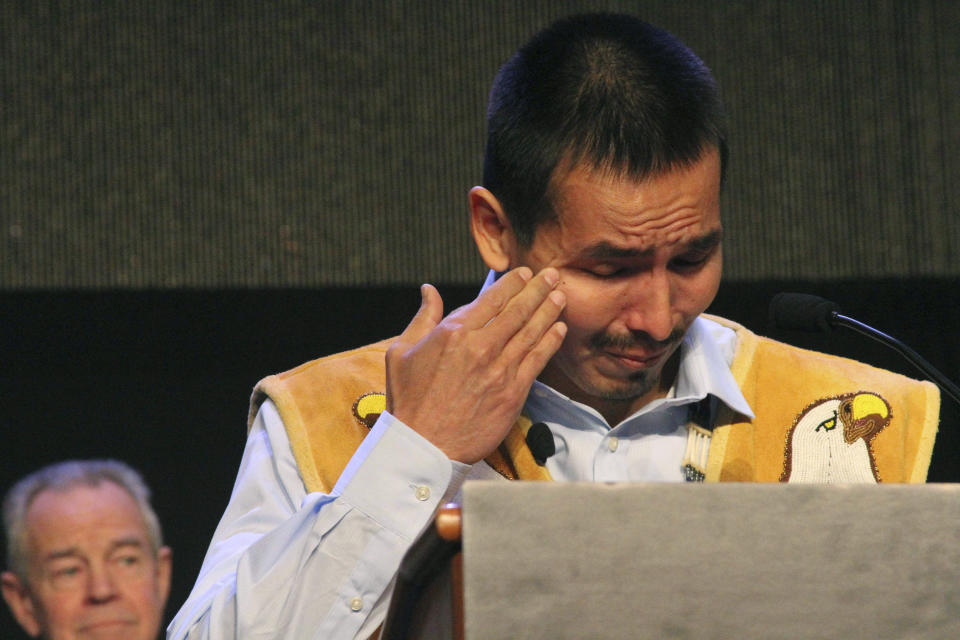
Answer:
[(195, 195)]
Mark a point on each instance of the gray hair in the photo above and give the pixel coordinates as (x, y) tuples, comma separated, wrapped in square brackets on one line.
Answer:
[(63, 476)]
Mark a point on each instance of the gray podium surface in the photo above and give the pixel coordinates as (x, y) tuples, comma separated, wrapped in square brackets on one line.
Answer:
[(570, 560)]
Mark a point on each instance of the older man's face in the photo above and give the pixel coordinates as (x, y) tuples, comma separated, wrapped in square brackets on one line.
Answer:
[(92, 572)]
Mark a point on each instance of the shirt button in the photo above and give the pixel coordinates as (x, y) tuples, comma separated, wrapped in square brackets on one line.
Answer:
[(356, 604), (423, 493), (613, 443)]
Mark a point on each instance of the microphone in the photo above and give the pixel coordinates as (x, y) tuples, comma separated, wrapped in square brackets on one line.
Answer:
[(802, 312), (805, 312), (540, 441)]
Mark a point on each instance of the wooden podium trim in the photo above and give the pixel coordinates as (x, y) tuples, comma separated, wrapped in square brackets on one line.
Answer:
[(439, 546)]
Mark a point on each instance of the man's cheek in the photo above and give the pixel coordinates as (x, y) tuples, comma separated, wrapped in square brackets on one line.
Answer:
[(583, 315)]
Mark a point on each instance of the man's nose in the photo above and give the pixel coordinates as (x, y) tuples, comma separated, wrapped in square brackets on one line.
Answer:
[(101, 585), (648, 304)]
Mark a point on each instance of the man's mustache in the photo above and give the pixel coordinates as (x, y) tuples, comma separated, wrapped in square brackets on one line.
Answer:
[(627, 341)]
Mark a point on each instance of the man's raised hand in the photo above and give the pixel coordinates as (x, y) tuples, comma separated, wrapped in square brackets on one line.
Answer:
[(461, 381)]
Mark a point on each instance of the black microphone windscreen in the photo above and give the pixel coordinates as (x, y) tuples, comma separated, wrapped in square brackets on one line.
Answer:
[(540, 441), (802, 312)]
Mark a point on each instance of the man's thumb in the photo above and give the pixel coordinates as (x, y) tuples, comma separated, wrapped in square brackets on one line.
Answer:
[(428, 315)]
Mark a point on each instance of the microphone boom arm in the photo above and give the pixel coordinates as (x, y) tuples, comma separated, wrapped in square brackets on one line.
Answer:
[(945, 384)]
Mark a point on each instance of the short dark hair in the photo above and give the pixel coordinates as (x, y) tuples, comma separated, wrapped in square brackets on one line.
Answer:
[(609, 90)]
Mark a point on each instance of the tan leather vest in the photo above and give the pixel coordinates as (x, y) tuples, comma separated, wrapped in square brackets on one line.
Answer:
[(809, 407)]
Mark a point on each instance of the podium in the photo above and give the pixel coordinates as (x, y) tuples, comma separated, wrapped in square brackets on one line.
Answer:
[(572, 560)]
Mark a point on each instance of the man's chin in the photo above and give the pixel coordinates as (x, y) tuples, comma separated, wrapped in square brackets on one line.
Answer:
[(601, 378), (607, 380), (638, 385), (108, 629), (602, 385)]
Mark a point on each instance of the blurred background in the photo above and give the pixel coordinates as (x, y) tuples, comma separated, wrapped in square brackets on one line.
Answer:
[(195, 195)]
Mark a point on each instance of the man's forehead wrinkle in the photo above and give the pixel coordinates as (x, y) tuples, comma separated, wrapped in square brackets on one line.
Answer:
[(606, 250), (669, 220), (131, 540), (594, 207), (679, 226)]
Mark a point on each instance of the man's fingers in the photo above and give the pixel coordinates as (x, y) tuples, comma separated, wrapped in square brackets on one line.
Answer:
[(523, 307), (427, 317), (528, 336), (538, 357), (534, 339), (492, 301)]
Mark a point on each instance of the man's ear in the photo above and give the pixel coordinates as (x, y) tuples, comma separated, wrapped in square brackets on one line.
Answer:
[(164, 569), (21, 605), (491, 230)]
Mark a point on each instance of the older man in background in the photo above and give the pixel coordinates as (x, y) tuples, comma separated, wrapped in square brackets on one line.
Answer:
[(85, 553)]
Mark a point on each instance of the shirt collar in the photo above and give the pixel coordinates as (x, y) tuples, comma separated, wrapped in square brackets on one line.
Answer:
[(706, 354), (491, 278)]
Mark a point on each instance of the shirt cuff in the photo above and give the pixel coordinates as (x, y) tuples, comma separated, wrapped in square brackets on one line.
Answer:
[(397, 477)]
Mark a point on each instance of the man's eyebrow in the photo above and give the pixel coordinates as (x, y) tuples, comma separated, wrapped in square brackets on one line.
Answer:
[(127, 542), (606, 251), (72, 552), (57, 554), (707, 241)]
